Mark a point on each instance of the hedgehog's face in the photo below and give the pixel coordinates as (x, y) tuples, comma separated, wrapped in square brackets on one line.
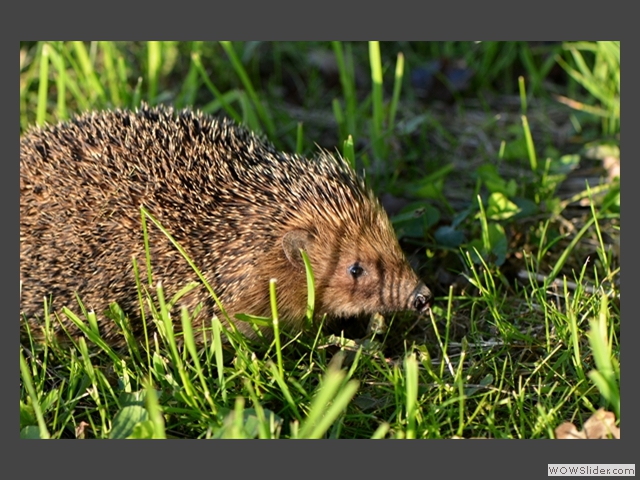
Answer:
[(356, 277), (367, 281)]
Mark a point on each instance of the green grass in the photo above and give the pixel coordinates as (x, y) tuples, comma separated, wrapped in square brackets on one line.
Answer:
[(525, 330)]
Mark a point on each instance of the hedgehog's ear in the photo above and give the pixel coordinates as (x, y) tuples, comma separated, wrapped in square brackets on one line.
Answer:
[(292, 242)]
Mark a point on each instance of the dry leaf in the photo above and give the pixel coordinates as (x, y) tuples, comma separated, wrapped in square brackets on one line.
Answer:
[(612, 165), (602, 424), (80, 430)]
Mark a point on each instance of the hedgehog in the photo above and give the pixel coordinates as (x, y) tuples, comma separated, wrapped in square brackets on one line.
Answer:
[(241, 209)]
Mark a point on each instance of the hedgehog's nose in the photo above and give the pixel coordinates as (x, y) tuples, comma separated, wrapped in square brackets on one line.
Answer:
[(421, 298)]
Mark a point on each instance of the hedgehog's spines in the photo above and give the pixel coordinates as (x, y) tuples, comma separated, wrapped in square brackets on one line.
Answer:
[(226, 194)]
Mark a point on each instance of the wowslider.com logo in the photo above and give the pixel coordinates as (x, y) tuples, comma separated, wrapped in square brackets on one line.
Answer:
[(584, 469)]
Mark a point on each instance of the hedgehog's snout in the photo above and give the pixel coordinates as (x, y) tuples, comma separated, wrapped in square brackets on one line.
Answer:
[(420, 299)]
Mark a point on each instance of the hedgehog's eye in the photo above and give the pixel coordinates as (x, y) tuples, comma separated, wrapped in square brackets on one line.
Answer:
[(356, 270)]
